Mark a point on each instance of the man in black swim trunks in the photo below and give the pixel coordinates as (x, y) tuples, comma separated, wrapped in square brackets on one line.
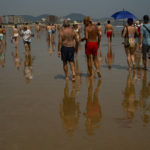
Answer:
[(66, 48)]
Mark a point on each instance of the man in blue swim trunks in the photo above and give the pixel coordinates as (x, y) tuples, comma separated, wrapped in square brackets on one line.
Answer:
[(66, 48)]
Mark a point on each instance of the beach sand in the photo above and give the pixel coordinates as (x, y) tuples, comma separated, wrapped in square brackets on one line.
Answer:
[(46, 112)]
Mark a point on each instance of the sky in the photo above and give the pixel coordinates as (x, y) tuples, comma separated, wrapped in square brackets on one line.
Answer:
[(93, 8)]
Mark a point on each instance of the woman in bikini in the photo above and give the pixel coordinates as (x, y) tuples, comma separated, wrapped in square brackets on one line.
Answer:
[(130, 44)]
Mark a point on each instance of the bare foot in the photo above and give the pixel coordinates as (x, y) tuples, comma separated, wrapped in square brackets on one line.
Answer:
[(99, 74), (134, 67), (73, 78), (66, 78)]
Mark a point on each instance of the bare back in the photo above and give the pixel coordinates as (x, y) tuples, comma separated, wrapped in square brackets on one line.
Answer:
[(91, 33), (68, 37), (109, 27), (131, 31), (1, 31)]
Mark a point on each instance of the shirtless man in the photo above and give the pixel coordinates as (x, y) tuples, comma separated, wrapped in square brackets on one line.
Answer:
[(37, 28), (1, 36), (100, 31), (77, 30), (49, 32), (15, 35), (66, 48), (92, 44), (110, 32), (53, 33), (4, 33)]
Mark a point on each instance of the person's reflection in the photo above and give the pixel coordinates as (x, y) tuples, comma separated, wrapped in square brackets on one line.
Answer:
[(130, 103), (51, 47), (16, 58), (70, 110), (2, 57), (38, 37), (109, 58), (37, 28), (93, 110), (145, 99), (28, 72)]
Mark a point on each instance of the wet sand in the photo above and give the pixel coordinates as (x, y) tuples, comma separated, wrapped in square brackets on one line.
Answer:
[(39, 110)]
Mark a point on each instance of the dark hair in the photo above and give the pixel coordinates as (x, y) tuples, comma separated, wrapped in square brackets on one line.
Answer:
[(25, 27), (0, 26), (98, 23), (130, 21), (146, 19), (108, 21), (66, 23), (15, 25)]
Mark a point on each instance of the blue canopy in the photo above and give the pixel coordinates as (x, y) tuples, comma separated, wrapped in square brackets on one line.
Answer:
[(123, 15)]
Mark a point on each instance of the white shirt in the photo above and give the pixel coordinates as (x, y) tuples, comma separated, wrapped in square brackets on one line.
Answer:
[(26, 35)]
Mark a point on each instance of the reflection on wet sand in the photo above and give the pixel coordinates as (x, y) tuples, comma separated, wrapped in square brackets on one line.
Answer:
[(70, 109), (145, 99), (16, 58), (28, 71), (130, 104), (93, 110), (38, 37), (110, 57), (2, 57), (51, 46)]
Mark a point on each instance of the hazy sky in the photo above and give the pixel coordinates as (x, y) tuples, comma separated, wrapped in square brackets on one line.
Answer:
[(94, 8)]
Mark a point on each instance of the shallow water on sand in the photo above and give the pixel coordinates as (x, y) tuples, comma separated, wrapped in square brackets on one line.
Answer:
[(40, 110)]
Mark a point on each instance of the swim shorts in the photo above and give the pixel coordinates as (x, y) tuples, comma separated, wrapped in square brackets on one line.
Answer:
[(1, 37), (145, 50), (67, 54), (53, 31), (27, 42), (49, 31), (91, 48), (109, 34)]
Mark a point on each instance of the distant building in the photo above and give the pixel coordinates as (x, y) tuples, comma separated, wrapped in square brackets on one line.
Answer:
[(5, 19), (12, 19), (52, 19)]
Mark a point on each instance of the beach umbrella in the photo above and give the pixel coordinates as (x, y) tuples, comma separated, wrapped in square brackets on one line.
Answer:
[(123, 15)]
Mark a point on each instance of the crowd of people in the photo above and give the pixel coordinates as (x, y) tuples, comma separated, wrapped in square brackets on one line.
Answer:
[(135, 37)]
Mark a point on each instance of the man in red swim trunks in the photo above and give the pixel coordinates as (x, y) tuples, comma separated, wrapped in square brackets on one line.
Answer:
[(91, 48), (109, 29)]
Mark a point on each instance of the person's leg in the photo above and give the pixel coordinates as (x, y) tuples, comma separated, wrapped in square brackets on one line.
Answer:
[(65, 70), (132, 54), (26, 46), (95, 60), (144, 53), (89, 63), (16, 42), (128, 57), (110, 40), (72, 67)]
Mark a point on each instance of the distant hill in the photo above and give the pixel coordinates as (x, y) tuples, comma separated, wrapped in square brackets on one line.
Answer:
[(75, 16)]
